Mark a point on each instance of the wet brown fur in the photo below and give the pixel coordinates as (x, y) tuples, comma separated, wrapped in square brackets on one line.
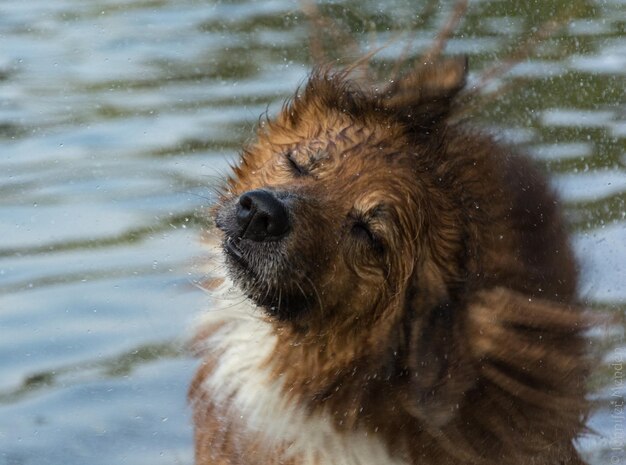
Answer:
[(451, 330)]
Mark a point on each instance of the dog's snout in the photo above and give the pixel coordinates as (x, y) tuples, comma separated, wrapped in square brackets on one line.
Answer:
[(261, 216)]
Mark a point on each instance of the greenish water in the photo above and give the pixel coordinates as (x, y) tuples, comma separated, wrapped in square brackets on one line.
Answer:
[(117, 117)]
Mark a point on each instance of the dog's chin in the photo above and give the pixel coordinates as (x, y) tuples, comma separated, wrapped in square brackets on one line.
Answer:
[(282, 306), (252, 275)]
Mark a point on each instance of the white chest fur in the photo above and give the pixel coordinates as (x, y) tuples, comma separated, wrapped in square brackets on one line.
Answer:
[(242, 389)]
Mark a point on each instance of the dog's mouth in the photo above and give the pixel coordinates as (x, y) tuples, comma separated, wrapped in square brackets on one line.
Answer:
[(260, 271), (231, 247)]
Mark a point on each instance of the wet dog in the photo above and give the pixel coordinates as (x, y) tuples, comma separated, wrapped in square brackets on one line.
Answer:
[(408, 291)]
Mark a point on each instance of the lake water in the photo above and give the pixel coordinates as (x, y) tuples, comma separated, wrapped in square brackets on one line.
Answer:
[(117, 117)]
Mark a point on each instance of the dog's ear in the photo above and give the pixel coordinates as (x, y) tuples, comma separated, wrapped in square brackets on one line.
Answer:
[(530, 351), (532, 359), (533, 348), (424, 96)]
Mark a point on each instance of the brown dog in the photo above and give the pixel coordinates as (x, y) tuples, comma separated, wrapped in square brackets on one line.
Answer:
[(409, 291)]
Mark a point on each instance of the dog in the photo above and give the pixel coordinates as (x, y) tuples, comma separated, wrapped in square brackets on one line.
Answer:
[(398, 288)]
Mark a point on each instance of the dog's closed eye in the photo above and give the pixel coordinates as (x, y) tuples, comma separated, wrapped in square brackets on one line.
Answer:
[(303, 161), (295, 165), (362, 231)]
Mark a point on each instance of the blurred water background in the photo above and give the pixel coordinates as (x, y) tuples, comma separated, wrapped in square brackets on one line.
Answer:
[(117, 117)]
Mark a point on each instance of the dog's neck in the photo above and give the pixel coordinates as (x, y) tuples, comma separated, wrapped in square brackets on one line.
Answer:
[(251, 370), (341, 371)]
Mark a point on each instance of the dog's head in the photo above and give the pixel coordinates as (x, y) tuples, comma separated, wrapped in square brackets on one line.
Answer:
[(396, 255), (337, 205)]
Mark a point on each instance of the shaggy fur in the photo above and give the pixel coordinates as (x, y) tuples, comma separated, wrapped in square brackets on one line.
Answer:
[(420, 308)]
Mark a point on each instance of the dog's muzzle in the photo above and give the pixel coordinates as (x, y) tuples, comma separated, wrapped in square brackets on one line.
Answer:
[(261, 216)]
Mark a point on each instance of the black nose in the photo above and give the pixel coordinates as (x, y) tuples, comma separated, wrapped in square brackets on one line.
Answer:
[(261, 216)]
